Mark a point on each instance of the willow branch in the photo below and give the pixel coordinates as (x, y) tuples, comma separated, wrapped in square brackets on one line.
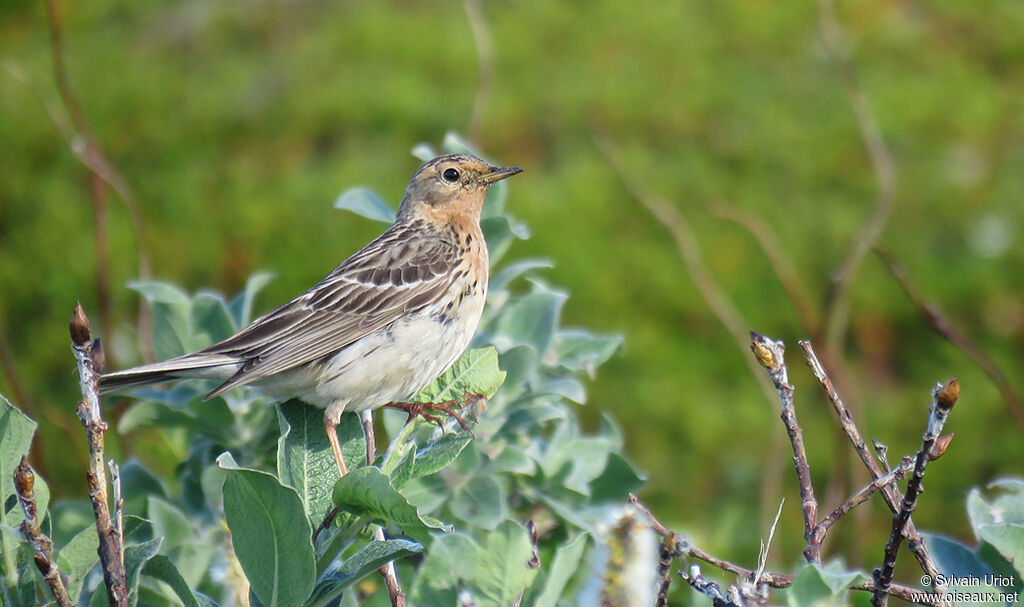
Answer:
[(24, 482), (89, 355), (944, 396), (770, 354), (890, 494)]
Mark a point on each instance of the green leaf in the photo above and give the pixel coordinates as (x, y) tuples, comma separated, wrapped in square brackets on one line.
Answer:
[(154, 414), (241, 305), (161, 568), (211, 317), (616, 482), (500, 232), (818, 586), (270, 533), (16, 430), (514, 270), (368, 559), (78, 557), (502, 573), (447, 563), (566, 562), (476, 372), (367, 492), (529, 320), (433, 458), (957, 562), (135, 557), (480, 501), (582, 351), (304, 458), (1000, 522), (362, 201), (171, 318), (168, 522)]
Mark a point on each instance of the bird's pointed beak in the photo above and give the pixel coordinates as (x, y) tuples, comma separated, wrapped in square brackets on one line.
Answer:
[(494, 174)]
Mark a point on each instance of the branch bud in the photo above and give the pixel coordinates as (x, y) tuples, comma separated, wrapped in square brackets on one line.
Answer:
[(947, 395), (24, 480), (79, 326), (765, 355), (940, 446)]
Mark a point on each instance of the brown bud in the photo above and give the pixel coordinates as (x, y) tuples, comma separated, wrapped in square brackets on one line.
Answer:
[(24, 479), (79, 326), (946, 397), (940, 446)]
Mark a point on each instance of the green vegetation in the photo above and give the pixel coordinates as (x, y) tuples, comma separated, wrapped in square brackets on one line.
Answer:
[(238, 125)]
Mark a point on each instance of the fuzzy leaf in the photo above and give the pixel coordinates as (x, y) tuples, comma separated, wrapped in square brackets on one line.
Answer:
[(270, 533), (304, 458), (362, 201), (367, 492), (476, 372)]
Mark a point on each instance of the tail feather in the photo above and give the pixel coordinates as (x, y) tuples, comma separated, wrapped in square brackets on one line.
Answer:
[(214, 366)]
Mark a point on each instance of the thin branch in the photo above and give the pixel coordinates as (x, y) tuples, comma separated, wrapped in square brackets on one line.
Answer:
[(862, 496), (85, 147), (770, 354), (485, 66), (388, 569), (24, 481), (944, 396), (838, 307), (774, 580), (703, 585), (777, 258), (90, 359), (890, 494), (942, 325)]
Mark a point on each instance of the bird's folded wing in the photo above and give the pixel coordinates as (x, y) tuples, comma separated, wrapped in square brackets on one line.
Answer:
[(396, 274)]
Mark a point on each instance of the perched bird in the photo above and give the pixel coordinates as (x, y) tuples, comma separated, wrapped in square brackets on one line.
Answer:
[(380, 326)]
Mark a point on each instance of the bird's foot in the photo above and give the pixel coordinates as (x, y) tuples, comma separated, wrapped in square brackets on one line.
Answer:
[(447, 407)]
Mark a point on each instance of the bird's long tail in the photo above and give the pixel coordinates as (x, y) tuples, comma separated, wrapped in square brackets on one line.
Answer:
[(213, 366)]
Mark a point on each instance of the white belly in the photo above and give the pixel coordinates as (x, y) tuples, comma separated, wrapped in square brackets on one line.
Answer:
[(392, 364)]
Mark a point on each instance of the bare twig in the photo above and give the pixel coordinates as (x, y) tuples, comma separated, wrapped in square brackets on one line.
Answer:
[(941, 324), (703, 585), (772, 579), (944, 396), (838, 308), (890, 494), (862, 496), (770, 354), (485, 66), (387, 570), (86, 149), (90, 359), (24, 481)]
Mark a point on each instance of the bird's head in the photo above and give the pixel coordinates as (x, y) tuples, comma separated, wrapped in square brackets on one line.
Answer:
[(450, 188)]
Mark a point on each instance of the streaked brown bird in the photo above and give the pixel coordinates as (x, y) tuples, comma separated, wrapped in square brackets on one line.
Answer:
[(380, 326)]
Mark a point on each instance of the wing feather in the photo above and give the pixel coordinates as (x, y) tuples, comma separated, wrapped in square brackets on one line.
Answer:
[(403, 270)]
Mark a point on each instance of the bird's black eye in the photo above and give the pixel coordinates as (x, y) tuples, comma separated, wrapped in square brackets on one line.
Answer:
[(450, 175)]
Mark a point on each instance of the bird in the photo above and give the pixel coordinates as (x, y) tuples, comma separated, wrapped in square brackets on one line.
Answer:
[(379, 327)]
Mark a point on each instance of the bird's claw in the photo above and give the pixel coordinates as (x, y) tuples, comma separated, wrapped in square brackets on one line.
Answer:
[(447, 407)]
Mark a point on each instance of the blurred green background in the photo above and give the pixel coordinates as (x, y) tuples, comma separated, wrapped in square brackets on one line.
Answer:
[(238, 123)]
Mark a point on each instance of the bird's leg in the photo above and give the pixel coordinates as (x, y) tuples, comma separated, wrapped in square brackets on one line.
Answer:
[(447, 407), (331, 427)]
